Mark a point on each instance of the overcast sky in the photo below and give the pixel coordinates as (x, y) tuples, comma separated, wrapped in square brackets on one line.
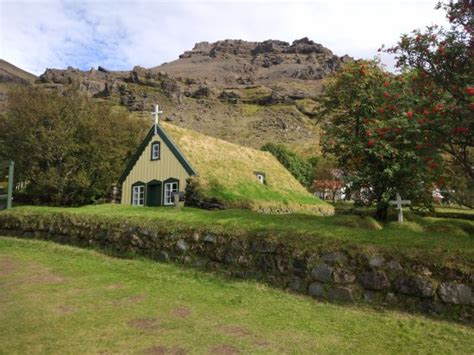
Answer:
[(40, 34)]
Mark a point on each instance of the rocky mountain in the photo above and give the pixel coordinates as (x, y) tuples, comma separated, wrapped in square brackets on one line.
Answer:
[(245, 92)]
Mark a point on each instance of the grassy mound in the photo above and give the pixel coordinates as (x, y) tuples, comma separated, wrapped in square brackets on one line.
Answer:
[(60, 299), (227, 173)]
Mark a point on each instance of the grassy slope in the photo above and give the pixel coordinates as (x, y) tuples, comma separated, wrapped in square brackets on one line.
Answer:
[(226, 171), (9, 70), (59, 299), (439, 239)]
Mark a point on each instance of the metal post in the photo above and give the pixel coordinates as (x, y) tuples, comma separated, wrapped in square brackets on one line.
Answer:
[(11, 168)]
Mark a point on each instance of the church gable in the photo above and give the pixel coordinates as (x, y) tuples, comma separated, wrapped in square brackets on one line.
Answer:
[(157, 150)]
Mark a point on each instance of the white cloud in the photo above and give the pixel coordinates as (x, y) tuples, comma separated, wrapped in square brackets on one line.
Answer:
[(118, 35)]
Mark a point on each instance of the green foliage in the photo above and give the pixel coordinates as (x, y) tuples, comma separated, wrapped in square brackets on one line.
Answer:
[(299, 167), (371, 130), (68, 149), (456, 186)]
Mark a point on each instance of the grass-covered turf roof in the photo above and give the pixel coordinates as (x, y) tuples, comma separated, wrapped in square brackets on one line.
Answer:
[(227, 171)]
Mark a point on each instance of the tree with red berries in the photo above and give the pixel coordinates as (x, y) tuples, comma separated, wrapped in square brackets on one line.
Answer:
[(443, 83), (379, 141)]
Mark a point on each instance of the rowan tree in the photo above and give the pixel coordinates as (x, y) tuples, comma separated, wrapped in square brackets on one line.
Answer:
[(444, 86), (379, 142)]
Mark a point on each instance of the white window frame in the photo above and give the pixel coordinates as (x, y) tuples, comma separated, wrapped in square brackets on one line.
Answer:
[(138, 195), (169, 189), (155, 151)]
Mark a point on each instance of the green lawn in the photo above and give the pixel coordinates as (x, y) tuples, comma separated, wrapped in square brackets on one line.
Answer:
[(61, 299), (435, 238)]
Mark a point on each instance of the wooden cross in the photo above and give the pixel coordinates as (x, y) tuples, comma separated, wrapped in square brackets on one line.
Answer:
[(156, 113), (399, 203)]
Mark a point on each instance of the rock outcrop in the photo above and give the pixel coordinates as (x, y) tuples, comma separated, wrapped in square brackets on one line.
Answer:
[(303, 59)]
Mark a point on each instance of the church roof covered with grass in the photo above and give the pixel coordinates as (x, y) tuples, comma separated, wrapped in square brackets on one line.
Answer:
[(242, 177)]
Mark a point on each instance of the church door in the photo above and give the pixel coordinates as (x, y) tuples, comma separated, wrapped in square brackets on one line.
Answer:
[(154, 189)]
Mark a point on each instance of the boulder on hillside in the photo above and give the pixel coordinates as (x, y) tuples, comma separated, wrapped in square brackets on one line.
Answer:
[(229, 97)]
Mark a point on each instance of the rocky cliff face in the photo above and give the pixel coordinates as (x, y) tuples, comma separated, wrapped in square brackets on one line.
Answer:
[(249, 93), (257, 62)]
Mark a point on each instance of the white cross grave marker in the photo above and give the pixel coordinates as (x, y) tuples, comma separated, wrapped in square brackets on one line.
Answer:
[(399, 203), (156, 113)]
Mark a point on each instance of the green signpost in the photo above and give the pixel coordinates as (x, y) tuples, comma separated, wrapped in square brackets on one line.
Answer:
[(11, 169), (9, 195)]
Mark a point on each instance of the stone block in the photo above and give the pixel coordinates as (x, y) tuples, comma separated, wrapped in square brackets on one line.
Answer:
[(450, 292), (209, 238), (376, 261), (316, 289), (414, 286), (322, 273), (182, 246), (162, 256), (340, 294)]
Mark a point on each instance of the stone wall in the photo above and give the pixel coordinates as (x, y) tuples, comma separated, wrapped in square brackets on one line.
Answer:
[(344, 274)]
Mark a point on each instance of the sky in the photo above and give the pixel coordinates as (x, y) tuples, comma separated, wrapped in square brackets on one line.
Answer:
[(40, 34)]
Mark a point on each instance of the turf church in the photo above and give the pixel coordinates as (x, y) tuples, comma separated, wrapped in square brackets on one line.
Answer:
[(157, 170)]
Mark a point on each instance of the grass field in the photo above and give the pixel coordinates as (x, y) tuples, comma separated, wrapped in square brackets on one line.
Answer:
[(60, 299)]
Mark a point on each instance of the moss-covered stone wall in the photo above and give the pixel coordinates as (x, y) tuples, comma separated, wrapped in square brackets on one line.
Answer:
[(340, 275)]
